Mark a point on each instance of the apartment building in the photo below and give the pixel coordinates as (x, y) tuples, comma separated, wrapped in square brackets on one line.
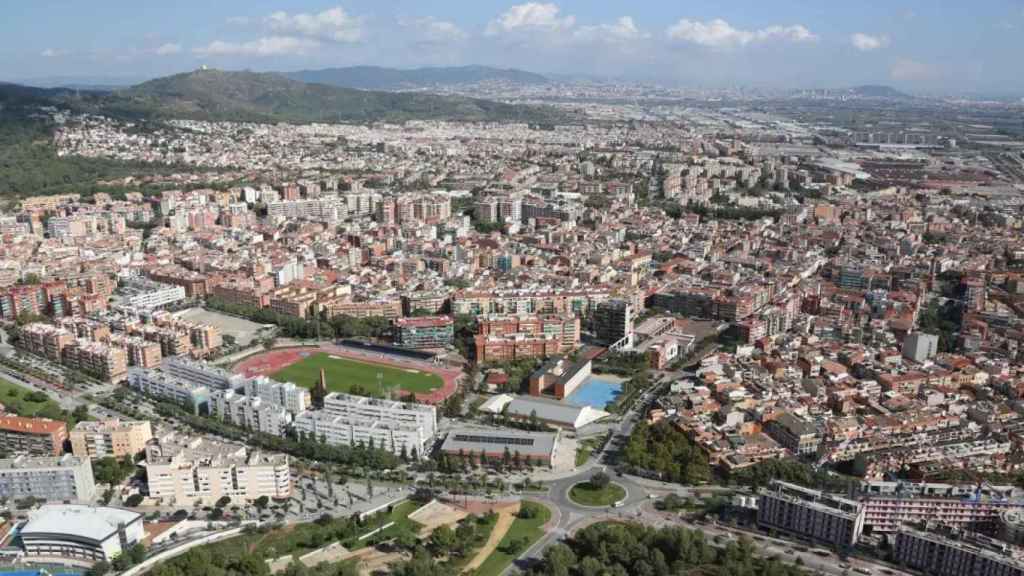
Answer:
[(47, 298), (293, 398), (353, 420), (343, 306), (821, 517), (196, 285), (103, 361), (798, 436), (250, 412), (614, 322), (46, 340), (563, 328), (941, 551), (99, 439), (50, 478), (146, 294), (182, 470), (163, 385), (34, 436), (202, 374), (889, 505), (425, 332), (527, 302), (142, 353)]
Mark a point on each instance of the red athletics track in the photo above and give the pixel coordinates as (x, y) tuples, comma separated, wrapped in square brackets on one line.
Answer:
[(267, 363)]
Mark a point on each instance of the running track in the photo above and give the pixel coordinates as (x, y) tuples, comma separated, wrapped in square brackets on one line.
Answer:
[(267, 363)]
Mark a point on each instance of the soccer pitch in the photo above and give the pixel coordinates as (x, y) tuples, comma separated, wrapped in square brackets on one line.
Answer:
[(342, 374)]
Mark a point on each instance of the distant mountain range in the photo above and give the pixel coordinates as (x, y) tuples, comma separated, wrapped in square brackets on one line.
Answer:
[(269, 97), (380, 78)]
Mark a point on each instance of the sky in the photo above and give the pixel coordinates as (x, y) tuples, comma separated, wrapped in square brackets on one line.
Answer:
[(923, 46)]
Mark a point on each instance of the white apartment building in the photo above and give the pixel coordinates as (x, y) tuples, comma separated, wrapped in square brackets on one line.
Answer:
[(202, 374), (165, 386), (182, 470), (320, 209), (340, 430), (250, 412), (295, 399), (351, 420), (141, 293)]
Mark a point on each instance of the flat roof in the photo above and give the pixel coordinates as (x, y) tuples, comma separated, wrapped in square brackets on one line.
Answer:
[(475, 440), (87, 522), (553, 411)]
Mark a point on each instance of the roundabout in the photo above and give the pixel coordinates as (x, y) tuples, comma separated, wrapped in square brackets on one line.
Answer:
[(596, 495)]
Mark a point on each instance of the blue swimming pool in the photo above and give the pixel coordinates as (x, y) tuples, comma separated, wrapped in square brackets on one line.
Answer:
[(595, 392)]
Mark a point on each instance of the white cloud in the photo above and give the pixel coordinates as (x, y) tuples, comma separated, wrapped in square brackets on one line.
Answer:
[(433, 30), (333, 24), (909, 70), (867, 43), (167, 49), (720, 34), (269, 46), (622, 30), (530, 17), (52, 53)]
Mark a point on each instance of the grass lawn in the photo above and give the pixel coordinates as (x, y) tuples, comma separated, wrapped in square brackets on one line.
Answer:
[(13, 397), (584, 449), (524, 531), (586, 495), (400, 516), (343, 374)]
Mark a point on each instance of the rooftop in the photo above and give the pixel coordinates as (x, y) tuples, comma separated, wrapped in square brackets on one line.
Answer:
[(88, 522)]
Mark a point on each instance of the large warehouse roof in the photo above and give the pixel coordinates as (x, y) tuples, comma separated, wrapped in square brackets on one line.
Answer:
[(473, 440)]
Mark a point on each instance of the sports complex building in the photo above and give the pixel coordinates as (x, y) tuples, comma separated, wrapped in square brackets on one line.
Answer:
[(83, 533)]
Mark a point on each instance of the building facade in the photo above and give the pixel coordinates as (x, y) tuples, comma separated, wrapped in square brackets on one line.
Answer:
[(53, 479), (426, 332), (116, 438), (357, 420), (951, 553), (821, 517), (182, 470), (33, 436)]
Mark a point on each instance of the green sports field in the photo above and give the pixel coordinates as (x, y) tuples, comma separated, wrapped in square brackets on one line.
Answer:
[(343, 374)]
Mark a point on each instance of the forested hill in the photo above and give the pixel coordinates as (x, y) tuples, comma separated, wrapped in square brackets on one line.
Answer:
[(267, 97), (380, 78)]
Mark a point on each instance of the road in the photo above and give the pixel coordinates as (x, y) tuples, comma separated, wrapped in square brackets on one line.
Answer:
[(638, 506)]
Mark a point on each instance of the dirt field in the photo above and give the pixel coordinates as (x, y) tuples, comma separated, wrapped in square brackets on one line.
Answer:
[(371, 560), (506, 516), (434, 514)]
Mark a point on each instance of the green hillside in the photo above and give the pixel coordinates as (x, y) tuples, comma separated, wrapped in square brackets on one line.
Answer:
[(266, 97)]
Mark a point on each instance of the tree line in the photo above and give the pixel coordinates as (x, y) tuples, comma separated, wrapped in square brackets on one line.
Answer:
[(340, 326), (611, 549), (667, 452)]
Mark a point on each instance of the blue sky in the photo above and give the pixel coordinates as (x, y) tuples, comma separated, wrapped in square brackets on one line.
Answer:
[(924, 46)]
